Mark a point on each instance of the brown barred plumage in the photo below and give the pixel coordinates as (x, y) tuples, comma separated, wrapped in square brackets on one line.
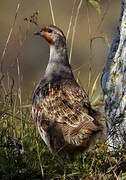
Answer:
[(61, 108)]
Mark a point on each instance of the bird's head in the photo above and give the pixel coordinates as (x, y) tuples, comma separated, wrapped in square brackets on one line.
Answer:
[(52, 34)]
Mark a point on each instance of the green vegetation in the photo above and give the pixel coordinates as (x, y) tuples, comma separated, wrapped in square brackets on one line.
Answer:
[(24, 155)]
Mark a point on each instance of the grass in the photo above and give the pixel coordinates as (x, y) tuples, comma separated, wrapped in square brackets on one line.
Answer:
[(24, 155)]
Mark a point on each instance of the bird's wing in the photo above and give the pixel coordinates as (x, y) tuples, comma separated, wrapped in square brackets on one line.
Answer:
[(63, 102)]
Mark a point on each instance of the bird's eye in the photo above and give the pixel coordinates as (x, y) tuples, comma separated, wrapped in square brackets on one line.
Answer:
[(49, 31)]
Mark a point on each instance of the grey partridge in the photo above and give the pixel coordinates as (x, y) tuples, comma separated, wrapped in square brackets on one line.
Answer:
[(64, 117)]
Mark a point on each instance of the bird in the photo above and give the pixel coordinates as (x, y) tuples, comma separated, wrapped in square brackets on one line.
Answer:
[(61, 109)]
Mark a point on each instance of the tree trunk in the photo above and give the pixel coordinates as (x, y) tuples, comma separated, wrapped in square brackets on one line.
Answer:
[(114, 86)]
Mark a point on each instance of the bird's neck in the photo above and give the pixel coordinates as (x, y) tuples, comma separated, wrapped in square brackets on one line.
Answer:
[(58, 64)]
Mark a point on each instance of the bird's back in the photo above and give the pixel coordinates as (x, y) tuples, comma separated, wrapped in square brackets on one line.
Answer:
[(64, 116)]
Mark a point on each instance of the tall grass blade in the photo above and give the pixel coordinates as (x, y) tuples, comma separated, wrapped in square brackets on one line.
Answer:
[(9, 35), (71, 18), (95, 85), (52, 12), (74, 29)]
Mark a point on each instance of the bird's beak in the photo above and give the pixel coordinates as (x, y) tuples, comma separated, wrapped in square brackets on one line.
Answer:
[(40, 33)]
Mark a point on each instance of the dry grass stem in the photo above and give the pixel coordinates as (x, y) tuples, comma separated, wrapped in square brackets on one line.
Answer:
[(52, 12), (20, 94), (78, 74), (19, 82), (71, 18), (102, 18), (80, 67), (90, 57), (88, 20), (107, 40), (95, 85), (92, 38), (89, 79), (74, 29), (9, 35), (42, 171)]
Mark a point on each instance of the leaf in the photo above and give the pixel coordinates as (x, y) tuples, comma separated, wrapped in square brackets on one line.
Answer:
[(96, 5)]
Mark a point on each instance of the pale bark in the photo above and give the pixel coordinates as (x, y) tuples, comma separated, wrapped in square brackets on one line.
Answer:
[(114, 86)]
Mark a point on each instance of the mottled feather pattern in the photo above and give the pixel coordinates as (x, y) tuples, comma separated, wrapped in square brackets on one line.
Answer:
[(61, 106)]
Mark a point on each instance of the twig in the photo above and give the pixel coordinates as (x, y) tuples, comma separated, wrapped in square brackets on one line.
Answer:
[(74, 27), (51, 9)]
